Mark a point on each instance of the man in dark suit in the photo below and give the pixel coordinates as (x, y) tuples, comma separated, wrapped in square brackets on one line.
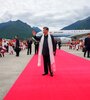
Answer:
[(45, 50), (59, 44), (87, 45), (36, 43), (29, 46), (17, 46)]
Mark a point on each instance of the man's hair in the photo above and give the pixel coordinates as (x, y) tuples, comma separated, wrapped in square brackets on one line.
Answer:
[(46, 28)]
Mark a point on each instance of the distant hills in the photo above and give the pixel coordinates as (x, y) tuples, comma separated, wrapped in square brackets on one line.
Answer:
[(12, 28), (36, 29), (79, 25)]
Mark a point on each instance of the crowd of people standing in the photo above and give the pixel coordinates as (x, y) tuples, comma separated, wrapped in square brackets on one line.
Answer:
[(83, 45), (16, 45)]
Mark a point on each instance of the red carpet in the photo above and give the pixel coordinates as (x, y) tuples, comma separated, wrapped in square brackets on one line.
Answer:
[(71, 81)]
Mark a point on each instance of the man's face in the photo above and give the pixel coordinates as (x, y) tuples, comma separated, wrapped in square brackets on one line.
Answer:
[(45, 31)]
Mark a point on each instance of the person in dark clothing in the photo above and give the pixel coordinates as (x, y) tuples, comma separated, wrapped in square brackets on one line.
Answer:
[(45, 50), (17, 46), (7, 47), (36, 43), (87, 46), (29, 46), (59, 44)]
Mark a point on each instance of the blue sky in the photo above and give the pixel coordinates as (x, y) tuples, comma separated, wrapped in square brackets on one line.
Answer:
[(51, 13)]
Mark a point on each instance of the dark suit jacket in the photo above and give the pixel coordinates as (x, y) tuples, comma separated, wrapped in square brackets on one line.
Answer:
[(29, 43), (45, 50), (17, 43), (87, 43)]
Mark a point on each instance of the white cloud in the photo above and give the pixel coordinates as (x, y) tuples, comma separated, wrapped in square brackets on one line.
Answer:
[(53, 13)]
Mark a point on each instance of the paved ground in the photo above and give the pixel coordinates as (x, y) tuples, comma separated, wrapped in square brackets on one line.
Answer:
[(75, 52), (11, 67)]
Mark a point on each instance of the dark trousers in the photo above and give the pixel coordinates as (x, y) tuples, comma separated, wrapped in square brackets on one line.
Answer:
[(87, 50), (0, 55), (47, 65), (17, 52), (29, 51), (36, 49), (88, 53)]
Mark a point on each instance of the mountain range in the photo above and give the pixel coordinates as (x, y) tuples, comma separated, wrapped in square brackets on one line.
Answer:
[(12, 28), (79, 25)]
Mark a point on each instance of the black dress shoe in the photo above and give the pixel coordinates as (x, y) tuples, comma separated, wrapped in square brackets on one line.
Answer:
[(51, 74), (44, 74)]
